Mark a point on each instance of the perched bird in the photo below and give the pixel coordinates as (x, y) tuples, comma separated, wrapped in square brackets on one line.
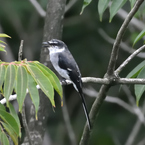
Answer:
[(64, 63)]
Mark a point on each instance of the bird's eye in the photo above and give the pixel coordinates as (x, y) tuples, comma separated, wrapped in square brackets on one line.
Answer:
[(53, 43)]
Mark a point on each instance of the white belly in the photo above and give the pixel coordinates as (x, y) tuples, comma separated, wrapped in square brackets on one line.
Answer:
[(54, 61)]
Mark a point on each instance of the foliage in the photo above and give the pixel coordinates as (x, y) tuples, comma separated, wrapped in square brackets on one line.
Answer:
[(23, 77), (113, 7), (139, 36), (2, 47), (138, 72)]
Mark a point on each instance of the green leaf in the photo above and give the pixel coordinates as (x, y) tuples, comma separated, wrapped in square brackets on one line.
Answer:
[(2, 107), (52, 77), (42, 81), (115, 6), (4, 35), (11, 132), (33, 91), (2, 42), (136, 70), (3, 138), (21, 85), (2, 74), (132, 2), (139, 36), (85, 4), (139, 89), (10, 120), (102, 5), (9, 80), (2, 47), (14, 114)]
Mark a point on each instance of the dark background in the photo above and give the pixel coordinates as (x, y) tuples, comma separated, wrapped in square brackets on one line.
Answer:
[(114, 124)]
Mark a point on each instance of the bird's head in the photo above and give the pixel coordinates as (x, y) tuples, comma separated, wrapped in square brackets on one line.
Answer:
[(55, 45)]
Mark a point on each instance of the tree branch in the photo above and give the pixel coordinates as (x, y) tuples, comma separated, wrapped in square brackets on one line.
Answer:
[(123, 45), (104, 81), (120, 68), (135, 22), (38, 8), (115, 50)]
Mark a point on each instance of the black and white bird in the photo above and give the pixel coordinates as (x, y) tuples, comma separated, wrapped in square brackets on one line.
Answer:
[(64, 63)]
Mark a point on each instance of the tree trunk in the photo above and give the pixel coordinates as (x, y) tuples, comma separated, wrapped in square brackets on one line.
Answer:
[(52, 29)]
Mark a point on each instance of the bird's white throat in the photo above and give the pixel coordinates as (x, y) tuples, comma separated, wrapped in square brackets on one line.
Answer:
[(56, 49)]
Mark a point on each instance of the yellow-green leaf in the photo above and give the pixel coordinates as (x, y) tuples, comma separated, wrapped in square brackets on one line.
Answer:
[(139, 89), (102, 5), (115, 6), (2, 107), (11, 132), (21, 85), (85, 4), (14, 114), (2, 74), (3, 138), (52, 77), (136, 70), (2, 42), (33, 91), (9, 119), (4, 35), (42, 81), (139, 36), (2, 47), (9, 80)]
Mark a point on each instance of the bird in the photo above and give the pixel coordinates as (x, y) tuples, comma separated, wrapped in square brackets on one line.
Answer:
[(66, 66)]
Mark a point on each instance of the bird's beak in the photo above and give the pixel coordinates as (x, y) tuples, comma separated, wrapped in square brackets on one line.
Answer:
[(45, 44)]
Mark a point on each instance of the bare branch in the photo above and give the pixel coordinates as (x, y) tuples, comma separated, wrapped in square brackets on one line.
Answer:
[(25, 124), (115, 50), (104, 81), (135, 130), (135, 22), (38, 8), (68, 124), (70, 4), (94, 111), (119, 69), (20, 50), (133, 133), (123, 45), (131, 108)]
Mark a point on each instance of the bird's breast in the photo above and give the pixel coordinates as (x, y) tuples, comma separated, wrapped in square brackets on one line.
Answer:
[(54, 60)]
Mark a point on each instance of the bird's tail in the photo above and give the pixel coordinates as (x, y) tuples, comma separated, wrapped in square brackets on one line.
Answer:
[(85, 109)]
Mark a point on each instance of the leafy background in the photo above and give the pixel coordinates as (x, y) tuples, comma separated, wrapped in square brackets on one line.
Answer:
[(81, 33)]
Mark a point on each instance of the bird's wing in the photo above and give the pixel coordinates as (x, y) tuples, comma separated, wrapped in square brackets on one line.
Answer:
[(68, 63), (65, 62)]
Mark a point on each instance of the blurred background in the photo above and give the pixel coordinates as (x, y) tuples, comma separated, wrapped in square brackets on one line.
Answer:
[(90, 42)]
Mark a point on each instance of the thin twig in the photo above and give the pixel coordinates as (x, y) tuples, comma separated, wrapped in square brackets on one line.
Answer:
[(38, 8), (68, 124), (123, 45), (131, 108), (20, 50), (70, 4), (135, 130), (135, 22), (133, 133), (120, 68), (94, 111), (23, 108), (115, 50), (25, 125)]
